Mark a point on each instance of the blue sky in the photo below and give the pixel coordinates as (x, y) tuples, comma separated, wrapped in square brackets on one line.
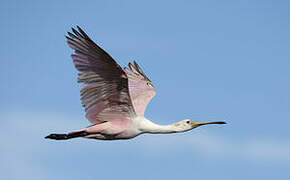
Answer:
[(209, 60)]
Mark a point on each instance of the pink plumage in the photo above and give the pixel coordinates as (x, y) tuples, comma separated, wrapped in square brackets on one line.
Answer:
[(114, 99)]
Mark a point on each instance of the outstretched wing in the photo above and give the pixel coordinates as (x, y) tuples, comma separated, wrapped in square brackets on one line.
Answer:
[(105, 92), (141, 88)]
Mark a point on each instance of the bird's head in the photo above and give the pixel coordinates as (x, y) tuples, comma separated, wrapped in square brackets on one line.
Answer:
[(187, 124)]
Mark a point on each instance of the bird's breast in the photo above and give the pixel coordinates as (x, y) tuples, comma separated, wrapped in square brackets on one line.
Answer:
[(132, 130)]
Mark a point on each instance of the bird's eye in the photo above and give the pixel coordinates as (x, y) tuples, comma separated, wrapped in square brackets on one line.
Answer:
[(187, 122), (148, 84)]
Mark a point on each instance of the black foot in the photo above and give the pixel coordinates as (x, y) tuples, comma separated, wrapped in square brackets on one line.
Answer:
[(57, 136)]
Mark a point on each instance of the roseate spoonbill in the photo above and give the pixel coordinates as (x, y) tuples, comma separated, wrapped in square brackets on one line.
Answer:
[(114, 99)]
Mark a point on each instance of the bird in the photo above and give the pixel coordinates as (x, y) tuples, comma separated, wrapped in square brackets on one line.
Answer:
[(114, 98)]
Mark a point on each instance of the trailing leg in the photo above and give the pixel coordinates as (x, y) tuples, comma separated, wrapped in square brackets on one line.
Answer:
[(67, 136)]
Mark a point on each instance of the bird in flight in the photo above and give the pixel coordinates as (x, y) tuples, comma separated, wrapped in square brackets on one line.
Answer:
[(114, 99)]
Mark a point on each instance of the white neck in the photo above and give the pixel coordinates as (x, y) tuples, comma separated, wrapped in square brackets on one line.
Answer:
[(147, 126)]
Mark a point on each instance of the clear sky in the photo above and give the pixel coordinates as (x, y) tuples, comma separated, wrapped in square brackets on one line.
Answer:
[(209, 60)]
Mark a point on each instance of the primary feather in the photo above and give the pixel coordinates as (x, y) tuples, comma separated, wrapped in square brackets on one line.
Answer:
[(105, 92)]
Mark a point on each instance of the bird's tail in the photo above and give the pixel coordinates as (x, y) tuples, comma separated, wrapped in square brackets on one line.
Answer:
[(67, 136)]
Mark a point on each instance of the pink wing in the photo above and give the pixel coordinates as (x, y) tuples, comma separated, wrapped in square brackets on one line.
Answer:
[(105, 92), (140, 88)]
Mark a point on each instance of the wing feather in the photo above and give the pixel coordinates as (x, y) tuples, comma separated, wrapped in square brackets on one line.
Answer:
[(105, 92), (140, 88)]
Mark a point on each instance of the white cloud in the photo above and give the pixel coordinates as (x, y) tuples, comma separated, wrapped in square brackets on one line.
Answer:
[(30, 128), (22, 142), (221, 146), (274, 150)]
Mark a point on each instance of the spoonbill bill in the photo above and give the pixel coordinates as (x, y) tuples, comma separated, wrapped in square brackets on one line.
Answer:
[(114, 98)]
